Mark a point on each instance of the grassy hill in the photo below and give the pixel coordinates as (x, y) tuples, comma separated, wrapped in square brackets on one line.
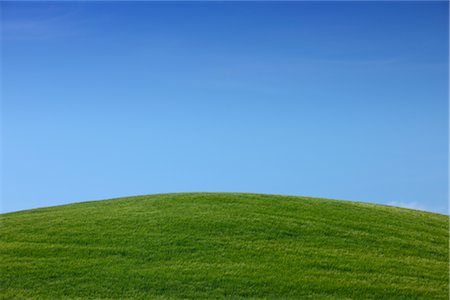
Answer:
[(224, 245)]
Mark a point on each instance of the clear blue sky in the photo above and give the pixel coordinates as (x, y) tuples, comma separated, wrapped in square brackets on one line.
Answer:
[(343, 100)]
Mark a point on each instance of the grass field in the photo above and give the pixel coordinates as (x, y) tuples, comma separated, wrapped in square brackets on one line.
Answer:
[(224, 245)]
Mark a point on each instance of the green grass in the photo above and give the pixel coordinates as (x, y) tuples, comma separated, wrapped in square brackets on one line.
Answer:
[(224, 245)]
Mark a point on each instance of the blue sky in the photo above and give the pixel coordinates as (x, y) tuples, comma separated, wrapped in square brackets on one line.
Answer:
[(343, 100)]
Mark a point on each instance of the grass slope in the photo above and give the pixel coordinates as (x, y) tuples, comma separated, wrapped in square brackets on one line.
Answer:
[(224, 245)]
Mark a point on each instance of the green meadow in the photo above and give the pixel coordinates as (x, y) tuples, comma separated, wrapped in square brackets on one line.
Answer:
[(224, 245)]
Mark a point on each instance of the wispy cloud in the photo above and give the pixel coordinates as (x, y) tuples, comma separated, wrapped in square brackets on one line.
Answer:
[(412, 205), (39, 21)]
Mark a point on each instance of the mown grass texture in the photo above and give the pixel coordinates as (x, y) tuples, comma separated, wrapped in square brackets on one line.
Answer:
[(223, 245)]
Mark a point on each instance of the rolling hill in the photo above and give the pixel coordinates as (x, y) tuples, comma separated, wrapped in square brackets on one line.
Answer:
[(224, 245)]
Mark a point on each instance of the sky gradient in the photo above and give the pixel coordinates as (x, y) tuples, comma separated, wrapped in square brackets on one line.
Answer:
[(341, 100)]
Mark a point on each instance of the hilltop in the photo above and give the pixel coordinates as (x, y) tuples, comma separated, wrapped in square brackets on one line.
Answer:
[(224, 245)]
